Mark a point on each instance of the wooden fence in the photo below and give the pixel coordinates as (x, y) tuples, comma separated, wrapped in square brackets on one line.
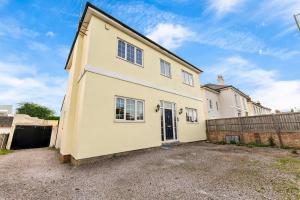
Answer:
[(285, 125)]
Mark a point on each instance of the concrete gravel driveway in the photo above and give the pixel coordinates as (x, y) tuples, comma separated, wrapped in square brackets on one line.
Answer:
[(192, 171)]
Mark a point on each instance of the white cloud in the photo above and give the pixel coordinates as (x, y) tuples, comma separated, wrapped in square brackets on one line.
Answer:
[(50, 34), (37, 46), (222, 7), (170, 36), (11, 28), (278, 10), (264, 85), (19, 83)]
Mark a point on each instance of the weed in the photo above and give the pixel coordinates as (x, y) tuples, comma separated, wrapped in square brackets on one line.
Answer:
[(271, 142), (232, 142), (5, 151), (294, 151), (221, 142)]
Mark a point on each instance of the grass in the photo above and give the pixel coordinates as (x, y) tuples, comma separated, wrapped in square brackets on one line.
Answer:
[(5, 151), (290, 166)]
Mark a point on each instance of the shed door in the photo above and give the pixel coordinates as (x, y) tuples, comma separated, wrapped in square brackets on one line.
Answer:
[(27, 137)]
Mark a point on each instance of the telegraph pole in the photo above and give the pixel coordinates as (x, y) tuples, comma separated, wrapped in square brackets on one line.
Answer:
[(296, 20)]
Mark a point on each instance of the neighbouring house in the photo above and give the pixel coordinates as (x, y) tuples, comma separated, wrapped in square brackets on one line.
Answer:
[(255, 108), (6, 110), (224, 101), (5, 127), (125, 92), (31, 132)]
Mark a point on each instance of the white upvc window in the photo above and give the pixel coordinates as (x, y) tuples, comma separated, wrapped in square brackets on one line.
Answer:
[(191, 115), (129, 52), (187, 78), (210, 104), (128, 109), (165, 68)]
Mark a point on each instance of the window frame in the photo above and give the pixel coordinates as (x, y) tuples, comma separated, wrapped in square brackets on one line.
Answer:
[(170, 71), (124, 120), (134, 52), (210, 104), (189, 75), (192, 110)]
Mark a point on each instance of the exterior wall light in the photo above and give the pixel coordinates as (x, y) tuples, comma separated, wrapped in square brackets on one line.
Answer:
[(180, 111), (157, 108)]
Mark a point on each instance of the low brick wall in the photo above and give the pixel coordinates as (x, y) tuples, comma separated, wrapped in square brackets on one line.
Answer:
[(288, 139), (284, 129)]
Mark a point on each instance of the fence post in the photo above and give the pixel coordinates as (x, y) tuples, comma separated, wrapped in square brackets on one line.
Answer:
[(277, 129), (241, 129)]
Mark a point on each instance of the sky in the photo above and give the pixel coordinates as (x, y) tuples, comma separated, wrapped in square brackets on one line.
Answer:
[(254, 44)]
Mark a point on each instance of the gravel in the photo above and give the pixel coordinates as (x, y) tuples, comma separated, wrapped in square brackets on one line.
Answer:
[(192, 171)]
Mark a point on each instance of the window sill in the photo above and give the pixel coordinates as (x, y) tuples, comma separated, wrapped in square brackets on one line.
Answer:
[(124, 121), (192, 122), (166, 76), (188, 84), (142, 66)]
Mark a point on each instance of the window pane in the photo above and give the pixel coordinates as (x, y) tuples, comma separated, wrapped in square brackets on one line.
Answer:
[(168, 70), (121, 49), (162, 67), (191, 79), (119, 108), (140, 110), (130, 109), (194, 115), (130, 53), (139, 56)]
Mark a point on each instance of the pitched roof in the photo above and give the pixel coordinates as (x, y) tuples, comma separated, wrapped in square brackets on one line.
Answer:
[(218, 88), (6, 121), (88, 4), (215, 86)]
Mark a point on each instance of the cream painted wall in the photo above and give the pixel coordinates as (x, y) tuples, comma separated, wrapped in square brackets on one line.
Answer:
[(103, 53), (100, 134), (213, 113), (87, 126)]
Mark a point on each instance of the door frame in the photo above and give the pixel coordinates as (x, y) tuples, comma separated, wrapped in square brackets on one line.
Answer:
[(174, 123)]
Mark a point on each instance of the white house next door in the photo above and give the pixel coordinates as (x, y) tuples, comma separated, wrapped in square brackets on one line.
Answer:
[(168, 121)]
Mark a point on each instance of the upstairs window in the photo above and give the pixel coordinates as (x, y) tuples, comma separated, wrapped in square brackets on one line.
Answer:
[(139, 56), (165, 68), (217, 105), (187, 78), (191, 115), (121, 49), (210, 104), (130, 53)]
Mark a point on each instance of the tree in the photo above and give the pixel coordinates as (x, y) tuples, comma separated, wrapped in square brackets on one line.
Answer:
[(35, 110)]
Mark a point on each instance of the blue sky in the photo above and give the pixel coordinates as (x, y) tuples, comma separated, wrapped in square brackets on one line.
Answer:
[(254, 44)]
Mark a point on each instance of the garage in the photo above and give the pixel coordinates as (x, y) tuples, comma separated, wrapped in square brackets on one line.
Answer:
[(27, 137)]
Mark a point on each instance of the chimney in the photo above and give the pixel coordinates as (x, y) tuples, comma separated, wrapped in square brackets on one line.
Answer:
[(220, 80)]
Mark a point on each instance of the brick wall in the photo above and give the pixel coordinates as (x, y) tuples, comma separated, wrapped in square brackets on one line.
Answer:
[(284, 129)]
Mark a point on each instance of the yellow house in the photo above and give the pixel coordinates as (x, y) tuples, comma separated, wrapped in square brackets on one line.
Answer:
[(125, 92)]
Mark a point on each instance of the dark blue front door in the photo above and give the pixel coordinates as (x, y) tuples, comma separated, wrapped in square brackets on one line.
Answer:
[(169, 124)]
